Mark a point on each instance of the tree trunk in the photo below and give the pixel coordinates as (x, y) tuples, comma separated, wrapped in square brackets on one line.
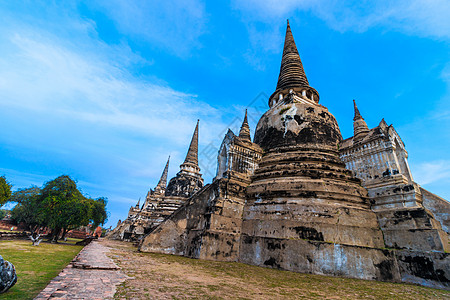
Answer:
[(64, 233), (33, 230), (50, 235), (36, 229), (55, 235)]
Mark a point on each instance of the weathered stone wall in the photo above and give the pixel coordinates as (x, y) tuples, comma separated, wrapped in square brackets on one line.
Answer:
[(171, 236), (314, 257), (222, 238), (414, 229), (118, 232), (207, 227), (439, 207), (159, 204)]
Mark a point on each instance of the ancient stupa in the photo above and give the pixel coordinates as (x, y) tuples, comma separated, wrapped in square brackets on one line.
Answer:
[(301, 189), (301, 198)]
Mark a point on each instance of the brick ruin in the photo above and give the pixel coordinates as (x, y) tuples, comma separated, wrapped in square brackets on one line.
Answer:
[(301, 198)]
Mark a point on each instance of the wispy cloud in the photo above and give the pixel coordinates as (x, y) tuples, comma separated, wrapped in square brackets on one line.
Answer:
[(171, 25), (45, 76), (427, 18), (424, 18), (432, 171), (420, 17), (25, 179)]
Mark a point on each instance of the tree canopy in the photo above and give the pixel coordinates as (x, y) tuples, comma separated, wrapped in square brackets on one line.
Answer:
[(59, 205), (5, 190), (98, 211), (28, 208)]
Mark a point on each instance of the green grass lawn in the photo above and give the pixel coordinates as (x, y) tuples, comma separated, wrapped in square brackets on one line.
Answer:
[(70, 241), (35, 265)]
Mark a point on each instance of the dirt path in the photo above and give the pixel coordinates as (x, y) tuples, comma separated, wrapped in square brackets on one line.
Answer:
[(158, 276)]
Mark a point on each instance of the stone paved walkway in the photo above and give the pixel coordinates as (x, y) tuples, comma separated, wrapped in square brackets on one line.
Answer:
[(91, 275)]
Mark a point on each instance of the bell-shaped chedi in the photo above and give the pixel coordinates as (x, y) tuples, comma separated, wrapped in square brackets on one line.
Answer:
[(360, 128), (244, 133), (301, 189), (192, 155), (189, 179), (161, 186)]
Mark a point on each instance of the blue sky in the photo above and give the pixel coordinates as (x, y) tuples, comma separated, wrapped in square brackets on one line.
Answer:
[(105, 90)]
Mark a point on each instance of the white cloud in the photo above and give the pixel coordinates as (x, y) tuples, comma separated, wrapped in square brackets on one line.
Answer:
[(23, 179), (64, 94), (43, 75), (419, 17), (428, 18), (170, 24), (432, 171), (265, 18)]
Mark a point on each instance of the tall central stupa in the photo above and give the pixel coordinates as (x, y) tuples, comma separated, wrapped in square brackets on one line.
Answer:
[(301, 189)]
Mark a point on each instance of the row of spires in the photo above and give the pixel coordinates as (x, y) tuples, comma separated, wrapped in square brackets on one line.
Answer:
[(191, 159), (359, 126), (292, 76)]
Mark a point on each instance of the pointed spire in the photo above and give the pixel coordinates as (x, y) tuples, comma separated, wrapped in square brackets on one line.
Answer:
[(192, 155), (245, 129), (360, 128), (137, 204), (357, 114), (163, 180), (292, 75), (291, 70)]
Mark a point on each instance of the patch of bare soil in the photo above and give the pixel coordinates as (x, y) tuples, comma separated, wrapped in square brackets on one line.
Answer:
[(158, 276)]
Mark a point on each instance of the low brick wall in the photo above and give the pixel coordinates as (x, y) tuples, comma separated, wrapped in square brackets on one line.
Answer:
[(12, 235)]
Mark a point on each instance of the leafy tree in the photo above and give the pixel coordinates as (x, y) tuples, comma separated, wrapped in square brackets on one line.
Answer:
[(5, 190), (63, 205), (28, 208), (59, 205), (78, 214), (3, 213), (98, 214)]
